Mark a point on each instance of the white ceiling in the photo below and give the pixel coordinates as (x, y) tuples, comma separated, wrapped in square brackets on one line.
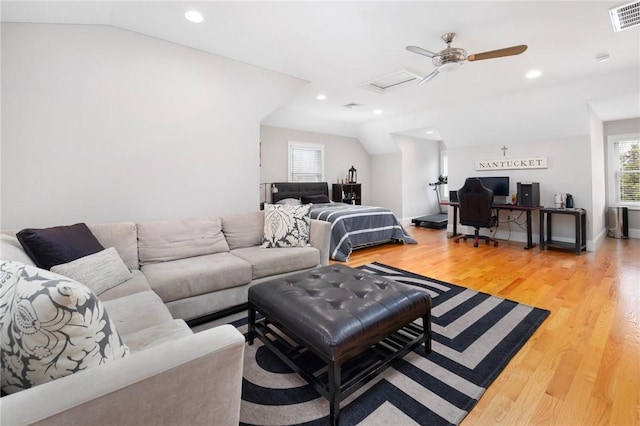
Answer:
[(338, 46)]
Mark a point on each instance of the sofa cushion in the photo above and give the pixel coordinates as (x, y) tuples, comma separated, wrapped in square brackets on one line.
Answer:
[(99, 271), (123, 236), (244, 229), (179, 239), (60, 244), (136, 284), (51, 327), (10, 249), (286, 226), (275, 261), (183, 278), (137, 311), (156, 334)]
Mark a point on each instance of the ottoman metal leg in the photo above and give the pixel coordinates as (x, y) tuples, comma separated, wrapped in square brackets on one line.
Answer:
[(252, 325), (426, 325), (335, 381)]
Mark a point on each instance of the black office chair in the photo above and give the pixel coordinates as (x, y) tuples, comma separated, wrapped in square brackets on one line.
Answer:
[(475, 210)]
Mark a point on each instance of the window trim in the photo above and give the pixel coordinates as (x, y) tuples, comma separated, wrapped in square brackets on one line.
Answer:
[(305, 145), (444, 171), (613, 167)]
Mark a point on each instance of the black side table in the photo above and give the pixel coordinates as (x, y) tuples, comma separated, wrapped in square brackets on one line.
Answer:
[(580, 216)]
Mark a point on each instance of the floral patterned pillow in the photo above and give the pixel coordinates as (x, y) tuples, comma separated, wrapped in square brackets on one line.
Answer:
[(51, 327), (286, 226)]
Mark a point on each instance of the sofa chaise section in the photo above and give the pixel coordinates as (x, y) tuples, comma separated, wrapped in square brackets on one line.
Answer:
[(195, 380)]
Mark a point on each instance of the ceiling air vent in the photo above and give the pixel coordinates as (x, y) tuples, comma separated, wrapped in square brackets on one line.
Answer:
[(625, 16), (392, 81)]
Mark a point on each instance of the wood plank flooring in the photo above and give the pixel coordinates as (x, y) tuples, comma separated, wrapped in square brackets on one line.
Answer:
[(582, 366)]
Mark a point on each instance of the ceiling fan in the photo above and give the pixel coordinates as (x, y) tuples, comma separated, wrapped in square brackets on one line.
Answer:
[(451, 58)]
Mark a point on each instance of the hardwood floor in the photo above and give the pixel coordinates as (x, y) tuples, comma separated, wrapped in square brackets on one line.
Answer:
[(582, 366)]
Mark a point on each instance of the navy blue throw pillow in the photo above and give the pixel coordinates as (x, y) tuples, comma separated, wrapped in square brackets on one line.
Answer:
[(315, 199), (49, 247)]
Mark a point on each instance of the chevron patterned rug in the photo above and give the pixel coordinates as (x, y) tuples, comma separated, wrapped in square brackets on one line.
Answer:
[(474, 337)]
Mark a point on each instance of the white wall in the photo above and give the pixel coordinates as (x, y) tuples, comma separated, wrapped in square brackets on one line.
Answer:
[(101, 124), (420, 165), (386, 179), (569, 171), (340, 153)]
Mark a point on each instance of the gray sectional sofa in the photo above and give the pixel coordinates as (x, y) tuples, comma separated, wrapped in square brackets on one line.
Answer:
[(181, 270)]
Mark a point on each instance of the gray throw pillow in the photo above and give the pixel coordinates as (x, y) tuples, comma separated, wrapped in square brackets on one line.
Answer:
[(100, 271), (50, 327), (286, 226)]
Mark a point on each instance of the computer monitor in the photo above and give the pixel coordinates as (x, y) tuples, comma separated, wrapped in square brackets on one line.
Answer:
[(499, 185)]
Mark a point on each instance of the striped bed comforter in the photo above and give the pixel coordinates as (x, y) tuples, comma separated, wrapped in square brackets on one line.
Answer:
[(358, 226)]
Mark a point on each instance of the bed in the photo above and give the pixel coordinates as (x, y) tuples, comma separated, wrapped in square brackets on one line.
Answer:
[(352, 226)]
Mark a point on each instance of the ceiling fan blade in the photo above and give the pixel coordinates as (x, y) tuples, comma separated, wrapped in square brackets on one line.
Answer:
[(508, 51), (421, 51), (430, 76)]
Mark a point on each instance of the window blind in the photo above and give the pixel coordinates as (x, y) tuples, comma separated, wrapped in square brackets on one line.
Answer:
[(305, 162), (628, 172)]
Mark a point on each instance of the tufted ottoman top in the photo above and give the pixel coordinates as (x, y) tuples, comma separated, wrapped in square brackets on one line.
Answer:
[(338, 311)]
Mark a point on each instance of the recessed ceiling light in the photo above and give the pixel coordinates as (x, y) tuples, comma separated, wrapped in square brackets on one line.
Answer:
[(321, 97), (533, 74), (194, 16), (602, 57), (377, 111), (429, 132)]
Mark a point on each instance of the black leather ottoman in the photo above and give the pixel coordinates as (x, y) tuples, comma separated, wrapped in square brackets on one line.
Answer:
[(347, 318)]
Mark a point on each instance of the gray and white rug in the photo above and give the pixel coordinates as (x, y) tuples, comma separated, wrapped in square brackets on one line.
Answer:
[(474, 337)]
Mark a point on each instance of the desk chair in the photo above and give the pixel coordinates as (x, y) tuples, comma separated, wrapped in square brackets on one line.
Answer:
[(475, 210)]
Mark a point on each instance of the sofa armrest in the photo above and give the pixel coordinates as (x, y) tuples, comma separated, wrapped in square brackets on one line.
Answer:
[(320, 238), (196, 379)]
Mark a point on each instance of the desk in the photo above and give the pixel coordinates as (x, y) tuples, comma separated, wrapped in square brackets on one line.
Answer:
[(580, 243), (511, 207)]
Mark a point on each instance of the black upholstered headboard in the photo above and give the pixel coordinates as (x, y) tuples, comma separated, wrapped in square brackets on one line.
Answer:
[(298, 189)]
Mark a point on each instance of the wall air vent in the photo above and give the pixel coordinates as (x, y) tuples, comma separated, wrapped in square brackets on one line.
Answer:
[(392, 81), (625, 16), (352, 105)]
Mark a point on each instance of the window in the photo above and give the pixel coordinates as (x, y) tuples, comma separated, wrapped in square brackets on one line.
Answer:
[(444, 171), (306, 162), (624, 170)]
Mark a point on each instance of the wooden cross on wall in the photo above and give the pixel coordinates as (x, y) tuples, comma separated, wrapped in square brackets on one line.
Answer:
[(504, 150)]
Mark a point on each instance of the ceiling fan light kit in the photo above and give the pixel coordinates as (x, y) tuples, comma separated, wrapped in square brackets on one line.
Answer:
[(451, 58), (449, 66)]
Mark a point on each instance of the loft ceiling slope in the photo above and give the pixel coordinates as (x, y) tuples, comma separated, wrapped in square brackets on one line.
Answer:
[(337, 46)]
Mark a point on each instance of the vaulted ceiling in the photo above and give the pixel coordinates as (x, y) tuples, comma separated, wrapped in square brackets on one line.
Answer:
[(339, 46)]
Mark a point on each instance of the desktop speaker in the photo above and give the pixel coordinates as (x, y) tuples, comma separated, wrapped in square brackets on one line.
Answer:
[(529, 194), (453, 196), (619, 222)]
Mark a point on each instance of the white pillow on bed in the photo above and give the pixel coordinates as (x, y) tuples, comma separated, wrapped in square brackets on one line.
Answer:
[(289, 202)]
